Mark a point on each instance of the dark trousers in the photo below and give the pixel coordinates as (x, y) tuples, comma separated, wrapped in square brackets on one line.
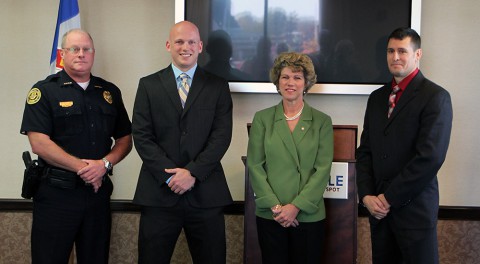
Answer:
[(301, 244), (391, 245), (160, 227), (62, 217)]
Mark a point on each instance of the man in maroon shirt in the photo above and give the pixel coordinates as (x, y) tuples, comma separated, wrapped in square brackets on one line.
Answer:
[(403, 145)]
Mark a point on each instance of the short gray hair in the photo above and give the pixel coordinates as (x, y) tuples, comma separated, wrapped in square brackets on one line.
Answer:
[(64, 38)]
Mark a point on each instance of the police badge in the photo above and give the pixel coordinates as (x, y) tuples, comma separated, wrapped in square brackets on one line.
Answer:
[(107, 96)]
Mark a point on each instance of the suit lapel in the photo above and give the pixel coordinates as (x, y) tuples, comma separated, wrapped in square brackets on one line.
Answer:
[(407, 96), (281, 128), (303, 124), (167, 78)]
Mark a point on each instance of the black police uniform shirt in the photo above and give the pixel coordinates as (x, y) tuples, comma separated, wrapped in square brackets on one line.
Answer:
[(82, 122)]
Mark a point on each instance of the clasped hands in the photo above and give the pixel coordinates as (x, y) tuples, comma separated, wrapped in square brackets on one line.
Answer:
[(285, 215), (181, 181), (93, 173), (378, 206)]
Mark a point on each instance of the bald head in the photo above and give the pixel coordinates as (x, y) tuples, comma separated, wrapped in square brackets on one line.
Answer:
[(184, 26)]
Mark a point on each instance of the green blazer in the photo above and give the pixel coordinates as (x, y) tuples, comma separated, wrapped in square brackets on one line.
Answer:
[(290, 167)]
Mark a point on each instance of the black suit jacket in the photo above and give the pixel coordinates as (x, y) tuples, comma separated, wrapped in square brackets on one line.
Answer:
[(194, 138), (401, 155)]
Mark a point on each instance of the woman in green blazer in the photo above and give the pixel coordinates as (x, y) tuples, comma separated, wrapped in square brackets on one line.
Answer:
[(290, 152)]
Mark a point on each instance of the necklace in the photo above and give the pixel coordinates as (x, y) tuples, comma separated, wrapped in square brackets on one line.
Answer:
[(295, 116)]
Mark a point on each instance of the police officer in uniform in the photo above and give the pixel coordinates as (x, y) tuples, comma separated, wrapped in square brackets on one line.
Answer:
[(71, 119)]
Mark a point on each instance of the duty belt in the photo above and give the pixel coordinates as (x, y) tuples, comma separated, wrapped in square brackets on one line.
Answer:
[(63, 179)]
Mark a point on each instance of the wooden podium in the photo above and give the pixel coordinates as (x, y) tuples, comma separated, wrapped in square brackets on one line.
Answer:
[(341, 221)]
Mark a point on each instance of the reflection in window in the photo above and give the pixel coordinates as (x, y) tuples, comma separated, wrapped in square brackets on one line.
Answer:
[(346, 39)]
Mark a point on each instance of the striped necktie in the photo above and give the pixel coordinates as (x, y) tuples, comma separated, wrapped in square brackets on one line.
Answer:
[(184, 88), (391, 99)]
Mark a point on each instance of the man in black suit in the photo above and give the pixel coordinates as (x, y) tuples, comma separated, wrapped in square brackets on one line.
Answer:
[(181, 142), (403, 145)]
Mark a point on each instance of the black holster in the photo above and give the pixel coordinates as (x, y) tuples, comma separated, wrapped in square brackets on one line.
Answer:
[(31, 176)]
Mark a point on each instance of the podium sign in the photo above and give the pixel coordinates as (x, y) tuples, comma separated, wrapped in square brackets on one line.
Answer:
[(337, 187)]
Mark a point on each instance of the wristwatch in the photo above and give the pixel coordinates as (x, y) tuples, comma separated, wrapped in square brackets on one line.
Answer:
[(108, 165)]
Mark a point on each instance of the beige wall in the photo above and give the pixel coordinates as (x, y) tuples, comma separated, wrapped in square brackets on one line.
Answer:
[(130, 36)]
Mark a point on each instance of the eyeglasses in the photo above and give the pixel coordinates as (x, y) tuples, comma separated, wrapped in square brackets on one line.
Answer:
[(76, 50)]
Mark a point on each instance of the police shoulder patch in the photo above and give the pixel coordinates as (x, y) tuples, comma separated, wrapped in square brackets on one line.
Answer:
[(34, 96)]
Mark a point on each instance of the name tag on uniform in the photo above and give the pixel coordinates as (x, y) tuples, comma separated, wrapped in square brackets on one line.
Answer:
[(66, 104)]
